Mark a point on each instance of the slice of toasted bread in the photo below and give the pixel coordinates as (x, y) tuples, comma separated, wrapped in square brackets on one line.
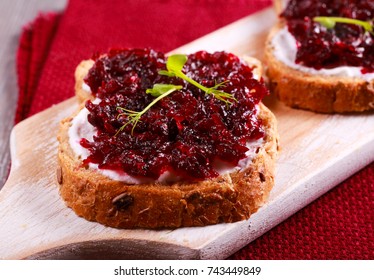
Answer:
[(319, 93), (227, 198), (315, 92)]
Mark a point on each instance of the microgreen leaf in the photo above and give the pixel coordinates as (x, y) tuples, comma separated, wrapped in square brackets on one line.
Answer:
[(133, 117), (330, 22), (219, 94), (175, 64), (159, 89), (166, 73), (326, 22)]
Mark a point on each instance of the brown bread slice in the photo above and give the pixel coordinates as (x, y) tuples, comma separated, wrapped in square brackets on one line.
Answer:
[(319, 93), (228, 198)]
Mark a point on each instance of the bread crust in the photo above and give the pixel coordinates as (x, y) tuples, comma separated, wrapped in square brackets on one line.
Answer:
[(80, 73), (228, 198), (318, 93)]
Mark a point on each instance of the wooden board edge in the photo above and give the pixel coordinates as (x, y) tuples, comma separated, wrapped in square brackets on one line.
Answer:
[(60, 108)]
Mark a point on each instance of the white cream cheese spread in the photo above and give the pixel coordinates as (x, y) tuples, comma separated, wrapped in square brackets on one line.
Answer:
[(285, 49)]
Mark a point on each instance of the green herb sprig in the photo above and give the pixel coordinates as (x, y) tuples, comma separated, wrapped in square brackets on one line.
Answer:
[(160, 91), (174, 66), (330, 22)]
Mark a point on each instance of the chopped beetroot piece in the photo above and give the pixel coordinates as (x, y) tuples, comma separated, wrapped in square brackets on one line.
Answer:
[(185, 132), (343, 45)]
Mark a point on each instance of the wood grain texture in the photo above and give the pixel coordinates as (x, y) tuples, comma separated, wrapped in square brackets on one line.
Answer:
[(317, 152), (13, 15)]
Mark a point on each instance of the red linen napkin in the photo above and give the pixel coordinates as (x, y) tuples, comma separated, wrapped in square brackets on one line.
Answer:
[(339, 225), (32, 52)]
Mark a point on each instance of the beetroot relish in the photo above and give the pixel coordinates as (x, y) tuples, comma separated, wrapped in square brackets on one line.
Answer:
[(185, 132), (344, 45)]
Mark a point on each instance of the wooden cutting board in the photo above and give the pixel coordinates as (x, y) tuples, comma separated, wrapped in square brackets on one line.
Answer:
[(317, 152)]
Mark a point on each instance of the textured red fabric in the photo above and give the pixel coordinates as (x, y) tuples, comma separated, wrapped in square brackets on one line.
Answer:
[(339, 225), (33, 50)]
